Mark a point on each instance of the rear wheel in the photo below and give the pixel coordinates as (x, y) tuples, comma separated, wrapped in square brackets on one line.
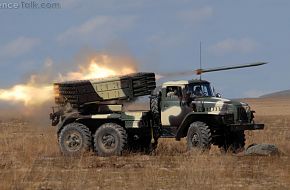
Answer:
[(199, 136), (75, 139), (110, 139)]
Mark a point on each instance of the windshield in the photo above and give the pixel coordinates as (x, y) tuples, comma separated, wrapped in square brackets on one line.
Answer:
[(199, 89)]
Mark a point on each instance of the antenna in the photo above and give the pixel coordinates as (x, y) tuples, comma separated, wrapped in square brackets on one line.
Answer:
[(200, 66)]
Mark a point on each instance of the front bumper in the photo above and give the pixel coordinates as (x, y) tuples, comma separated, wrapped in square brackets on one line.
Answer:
[(246, 126)]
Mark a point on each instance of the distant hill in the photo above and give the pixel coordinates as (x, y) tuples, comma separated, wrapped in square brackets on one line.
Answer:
[(284, 93)]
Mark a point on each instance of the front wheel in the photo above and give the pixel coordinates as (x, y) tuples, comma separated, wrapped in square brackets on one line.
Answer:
[(75, 139), (110, 139), (199, 136)]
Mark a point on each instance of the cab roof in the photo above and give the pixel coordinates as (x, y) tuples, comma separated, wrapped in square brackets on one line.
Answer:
[(183, 82)]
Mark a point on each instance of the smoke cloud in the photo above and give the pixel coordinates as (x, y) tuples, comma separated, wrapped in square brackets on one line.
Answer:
[(34, 98)]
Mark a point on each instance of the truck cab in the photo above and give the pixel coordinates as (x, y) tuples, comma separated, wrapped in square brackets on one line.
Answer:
[(189, 104), (177, 100)]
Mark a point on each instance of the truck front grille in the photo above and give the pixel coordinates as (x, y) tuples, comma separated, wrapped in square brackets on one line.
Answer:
[(242, 114)]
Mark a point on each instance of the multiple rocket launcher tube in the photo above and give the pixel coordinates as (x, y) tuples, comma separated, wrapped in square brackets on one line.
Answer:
[(127, 87)]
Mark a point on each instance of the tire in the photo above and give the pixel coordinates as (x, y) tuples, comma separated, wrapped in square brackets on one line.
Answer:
[(110, 140), (154, 104), (199, 136), (155, 109), (234, 142), (75, 139)]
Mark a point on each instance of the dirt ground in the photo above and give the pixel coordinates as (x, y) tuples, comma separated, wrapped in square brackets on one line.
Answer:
[(30, 159)]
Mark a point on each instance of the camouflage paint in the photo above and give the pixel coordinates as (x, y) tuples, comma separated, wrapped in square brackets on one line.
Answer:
[(174, 110), (110, 92), (131, 119), (122, 88)]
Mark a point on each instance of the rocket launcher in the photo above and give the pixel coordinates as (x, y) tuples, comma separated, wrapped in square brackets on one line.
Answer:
[(81, 92)]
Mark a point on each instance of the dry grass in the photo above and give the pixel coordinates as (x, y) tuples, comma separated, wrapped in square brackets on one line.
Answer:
[(30, 159)]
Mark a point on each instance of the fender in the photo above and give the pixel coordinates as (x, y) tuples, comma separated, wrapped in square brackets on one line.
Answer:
[(69, 118), (207, 118), (75, 116)]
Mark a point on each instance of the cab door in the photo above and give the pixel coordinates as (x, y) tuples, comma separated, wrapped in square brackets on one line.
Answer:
[(172, 109)]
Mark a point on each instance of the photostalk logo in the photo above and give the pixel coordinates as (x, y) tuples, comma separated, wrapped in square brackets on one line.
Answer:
[(30, 5)]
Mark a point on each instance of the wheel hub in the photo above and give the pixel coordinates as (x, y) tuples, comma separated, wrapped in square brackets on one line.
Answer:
[(108, 141), (195, 139), (73, 141)]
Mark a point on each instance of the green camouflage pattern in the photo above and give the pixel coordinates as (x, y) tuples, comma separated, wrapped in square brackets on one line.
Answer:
[(174, 109), (132, 119)]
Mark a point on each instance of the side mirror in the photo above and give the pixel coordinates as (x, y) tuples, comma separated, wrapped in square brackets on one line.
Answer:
[(218, 95)]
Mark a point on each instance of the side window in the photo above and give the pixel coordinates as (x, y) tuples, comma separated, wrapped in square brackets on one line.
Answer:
[(173, 92)]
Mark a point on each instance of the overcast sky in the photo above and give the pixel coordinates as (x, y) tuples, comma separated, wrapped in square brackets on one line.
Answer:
[(162, 35)]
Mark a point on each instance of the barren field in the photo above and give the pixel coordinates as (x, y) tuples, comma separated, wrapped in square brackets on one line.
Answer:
[(30, 159)]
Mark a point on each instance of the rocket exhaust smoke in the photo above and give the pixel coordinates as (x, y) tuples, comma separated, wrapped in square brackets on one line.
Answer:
[(38, 89)]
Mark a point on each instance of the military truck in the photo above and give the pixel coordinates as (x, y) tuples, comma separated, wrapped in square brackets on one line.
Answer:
[(194, 111), (91, 115)]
